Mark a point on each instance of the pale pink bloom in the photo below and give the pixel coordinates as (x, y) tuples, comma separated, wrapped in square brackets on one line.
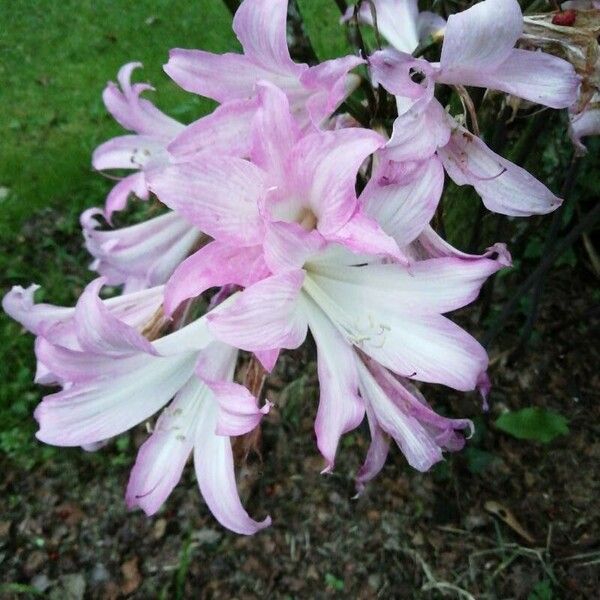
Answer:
[(160, 140), (423, 128), (396, 409), (260, 25), (143, 151), (399, 22), (64, 326), (142, 255), (115, 378), (478, 50), (284, 225)]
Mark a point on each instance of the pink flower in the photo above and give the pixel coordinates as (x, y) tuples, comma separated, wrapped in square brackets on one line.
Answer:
[(478, 50), (65, 326), (114, 378), (399, 21), (143, 151), (295, 196), (142, 255), (260, 25)]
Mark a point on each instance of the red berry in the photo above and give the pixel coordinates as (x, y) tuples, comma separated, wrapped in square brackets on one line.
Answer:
[(566, 18)]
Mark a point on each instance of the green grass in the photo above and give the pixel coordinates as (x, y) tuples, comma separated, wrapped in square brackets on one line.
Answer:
[(56, 60)]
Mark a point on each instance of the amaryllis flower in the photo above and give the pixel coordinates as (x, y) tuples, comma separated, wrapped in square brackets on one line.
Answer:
[(142, 255), (60, 324), (399, 21), (143, 151), (260, 25), (311, 257), (117, 378), (294, 187), (478, 50)]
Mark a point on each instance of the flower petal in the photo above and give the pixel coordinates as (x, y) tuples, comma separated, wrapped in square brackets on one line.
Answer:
[(127, 152), (403, 197), (238, 408), (135, 113), (504, 187), (222, 77), (261, 27), (340, 409), (535, 76), (161, 459), (404, 338), (225, 131), (118, 196), (218, 194), (213, 460), (99, 331), (377, 453), (264, 316), (102, 408), (147, 253), (215, 264), (480, 38)]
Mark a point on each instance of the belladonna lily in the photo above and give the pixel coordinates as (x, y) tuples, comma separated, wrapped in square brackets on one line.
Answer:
[(398, 21), (116, 378), (260, 25), (294, 187), (478, 50), (145, 149), (142, 255)]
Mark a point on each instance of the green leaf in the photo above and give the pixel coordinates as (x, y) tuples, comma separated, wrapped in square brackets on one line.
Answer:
[(322, 24), (537, 424), (333, 582), (542, 590), (478, 460)]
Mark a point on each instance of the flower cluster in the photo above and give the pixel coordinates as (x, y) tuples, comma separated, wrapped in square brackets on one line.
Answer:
[(282, 214)]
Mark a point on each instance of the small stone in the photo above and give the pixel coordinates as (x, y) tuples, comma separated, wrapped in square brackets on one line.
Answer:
[(41, 582), (131, 576), (73, 586), (34, 562), (158, 531), (99, 574), (206, 536), (374, 581)]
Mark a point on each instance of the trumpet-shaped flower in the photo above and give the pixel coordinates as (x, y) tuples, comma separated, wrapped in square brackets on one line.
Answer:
[(142, 255), (260, 25), (142, 151), (116, 378)]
